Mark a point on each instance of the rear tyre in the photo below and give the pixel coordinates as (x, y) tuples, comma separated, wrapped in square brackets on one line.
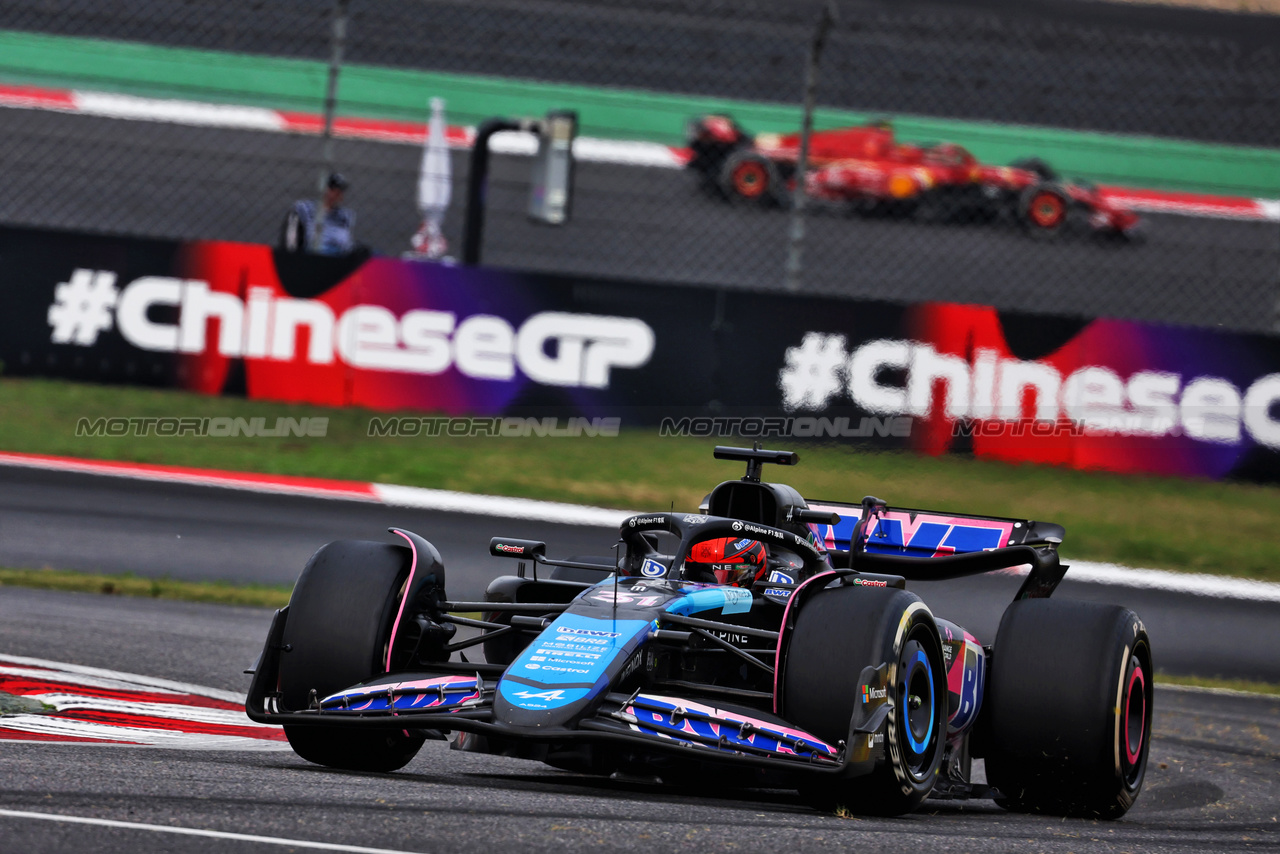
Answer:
[(837, 633), (1036, 166), (1068, 708), (1044, 209), (751, 178), (339, 624)]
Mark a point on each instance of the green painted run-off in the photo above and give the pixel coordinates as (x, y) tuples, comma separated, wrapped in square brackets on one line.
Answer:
[(617, 113)]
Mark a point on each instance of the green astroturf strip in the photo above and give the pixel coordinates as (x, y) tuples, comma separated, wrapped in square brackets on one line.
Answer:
[(389, 93)]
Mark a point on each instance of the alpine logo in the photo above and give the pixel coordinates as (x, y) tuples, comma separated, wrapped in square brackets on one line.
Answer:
[(540, 695)]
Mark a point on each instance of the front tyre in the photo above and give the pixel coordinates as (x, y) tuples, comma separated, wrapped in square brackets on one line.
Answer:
[(840, 631), (1069, 708), (338, 628)]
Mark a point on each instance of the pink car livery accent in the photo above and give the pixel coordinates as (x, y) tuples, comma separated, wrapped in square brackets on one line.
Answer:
[(966, 663), (445, 693), (408, 585), (916, 533), (669, 717)]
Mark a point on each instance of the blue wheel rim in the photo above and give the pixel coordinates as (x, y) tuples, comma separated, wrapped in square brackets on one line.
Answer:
[(919, 659)]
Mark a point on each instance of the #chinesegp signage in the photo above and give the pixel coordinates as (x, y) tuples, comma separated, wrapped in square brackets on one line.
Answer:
[(238, 318), (386, 334), (394, 335), (1104, 394), (550, 347)]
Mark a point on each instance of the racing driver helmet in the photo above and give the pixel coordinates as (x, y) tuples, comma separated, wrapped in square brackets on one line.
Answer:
[(729, 560)]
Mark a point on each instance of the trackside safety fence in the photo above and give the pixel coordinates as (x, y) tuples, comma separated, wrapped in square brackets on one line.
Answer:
[(1055, 156)]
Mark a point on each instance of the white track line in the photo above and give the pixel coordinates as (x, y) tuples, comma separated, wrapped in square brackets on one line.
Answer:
[(197, 113), (192, 831), (142, 734), (1199, 584), (1202, 689), (114, 735), (130, 680), (495, 505), (1270, 209)]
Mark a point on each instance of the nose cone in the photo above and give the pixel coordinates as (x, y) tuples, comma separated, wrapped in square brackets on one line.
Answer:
[(560, 676)]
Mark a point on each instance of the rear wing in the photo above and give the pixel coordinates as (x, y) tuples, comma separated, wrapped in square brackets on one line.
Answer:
[(928, 533), (927, 545)]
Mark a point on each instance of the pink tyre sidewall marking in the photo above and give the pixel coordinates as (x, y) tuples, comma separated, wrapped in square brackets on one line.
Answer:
[(1133, 753)]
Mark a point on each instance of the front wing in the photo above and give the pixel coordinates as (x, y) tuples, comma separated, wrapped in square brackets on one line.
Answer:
[(648, 721)]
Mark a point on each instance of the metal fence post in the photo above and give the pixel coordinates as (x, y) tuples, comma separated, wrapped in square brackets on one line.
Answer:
[(337, 44), (795, 243)]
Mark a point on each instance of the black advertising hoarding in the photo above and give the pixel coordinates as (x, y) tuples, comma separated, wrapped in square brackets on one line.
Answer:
[(36, 264), (392, 335)]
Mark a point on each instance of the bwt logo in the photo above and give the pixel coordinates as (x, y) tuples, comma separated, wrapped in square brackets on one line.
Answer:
[(552, 348), (891, 536), (897, 377)]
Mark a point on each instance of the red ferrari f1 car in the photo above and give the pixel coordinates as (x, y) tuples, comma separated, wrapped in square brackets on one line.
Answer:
[(867, 170)]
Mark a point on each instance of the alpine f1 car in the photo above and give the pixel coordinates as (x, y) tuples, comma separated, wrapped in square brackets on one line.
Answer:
[(763, 636), (866, 169)]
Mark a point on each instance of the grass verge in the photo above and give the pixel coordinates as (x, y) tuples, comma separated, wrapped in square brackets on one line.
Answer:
[(1196, 525), (220, 593), (1243, 685)]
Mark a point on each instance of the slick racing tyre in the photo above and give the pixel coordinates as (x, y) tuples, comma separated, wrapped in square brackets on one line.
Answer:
[(1068, 709), (338, 628), (751, 178), (1037, 166), (1043, 209), (839, 632)]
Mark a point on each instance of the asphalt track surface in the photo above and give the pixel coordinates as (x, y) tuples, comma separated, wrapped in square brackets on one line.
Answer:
[(157, 179), (114, 525), (1213, 782)]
